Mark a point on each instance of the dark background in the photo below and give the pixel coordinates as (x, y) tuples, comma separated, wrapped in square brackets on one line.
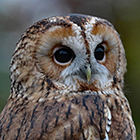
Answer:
[(17, 15)]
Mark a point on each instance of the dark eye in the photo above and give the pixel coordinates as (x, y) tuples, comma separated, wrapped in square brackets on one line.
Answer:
[(99, 52), (64, 55)]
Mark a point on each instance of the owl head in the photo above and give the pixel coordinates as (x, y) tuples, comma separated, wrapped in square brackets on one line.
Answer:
[(77, 51)]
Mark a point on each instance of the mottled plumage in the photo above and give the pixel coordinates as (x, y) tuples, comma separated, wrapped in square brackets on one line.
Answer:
[(66, 83)]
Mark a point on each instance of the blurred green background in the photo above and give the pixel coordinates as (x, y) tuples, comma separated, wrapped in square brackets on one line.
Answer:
[(17, 15)]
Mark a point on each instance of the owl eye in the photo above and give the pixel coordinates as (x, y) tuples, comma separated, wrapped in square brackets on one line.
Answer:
[(99, 52), (63, 55)]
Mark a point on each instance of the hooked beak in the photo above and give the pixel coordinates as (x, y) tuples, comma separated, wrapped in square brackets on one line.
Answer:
[(88, 72)]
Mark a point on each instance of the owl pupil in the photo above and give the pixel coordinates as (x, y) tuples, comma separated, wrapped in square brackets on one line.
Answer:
[(99, 52), (64, 55)]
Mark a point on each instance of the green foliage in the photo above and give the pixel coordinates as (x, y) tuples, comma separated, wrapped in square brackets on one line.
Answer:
[(4, 89)]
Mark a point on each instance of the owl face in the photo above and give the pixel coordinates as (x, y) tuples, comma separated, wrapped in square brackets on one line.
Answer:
[(79, 51)]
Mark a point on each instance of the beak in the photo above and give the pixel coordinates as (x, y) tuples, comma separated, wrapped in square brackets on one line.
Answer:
[(88, 72)]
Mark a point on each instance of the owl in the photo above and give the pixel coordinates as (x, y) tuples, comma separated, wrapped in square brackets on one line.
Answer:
[(67, 83)]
